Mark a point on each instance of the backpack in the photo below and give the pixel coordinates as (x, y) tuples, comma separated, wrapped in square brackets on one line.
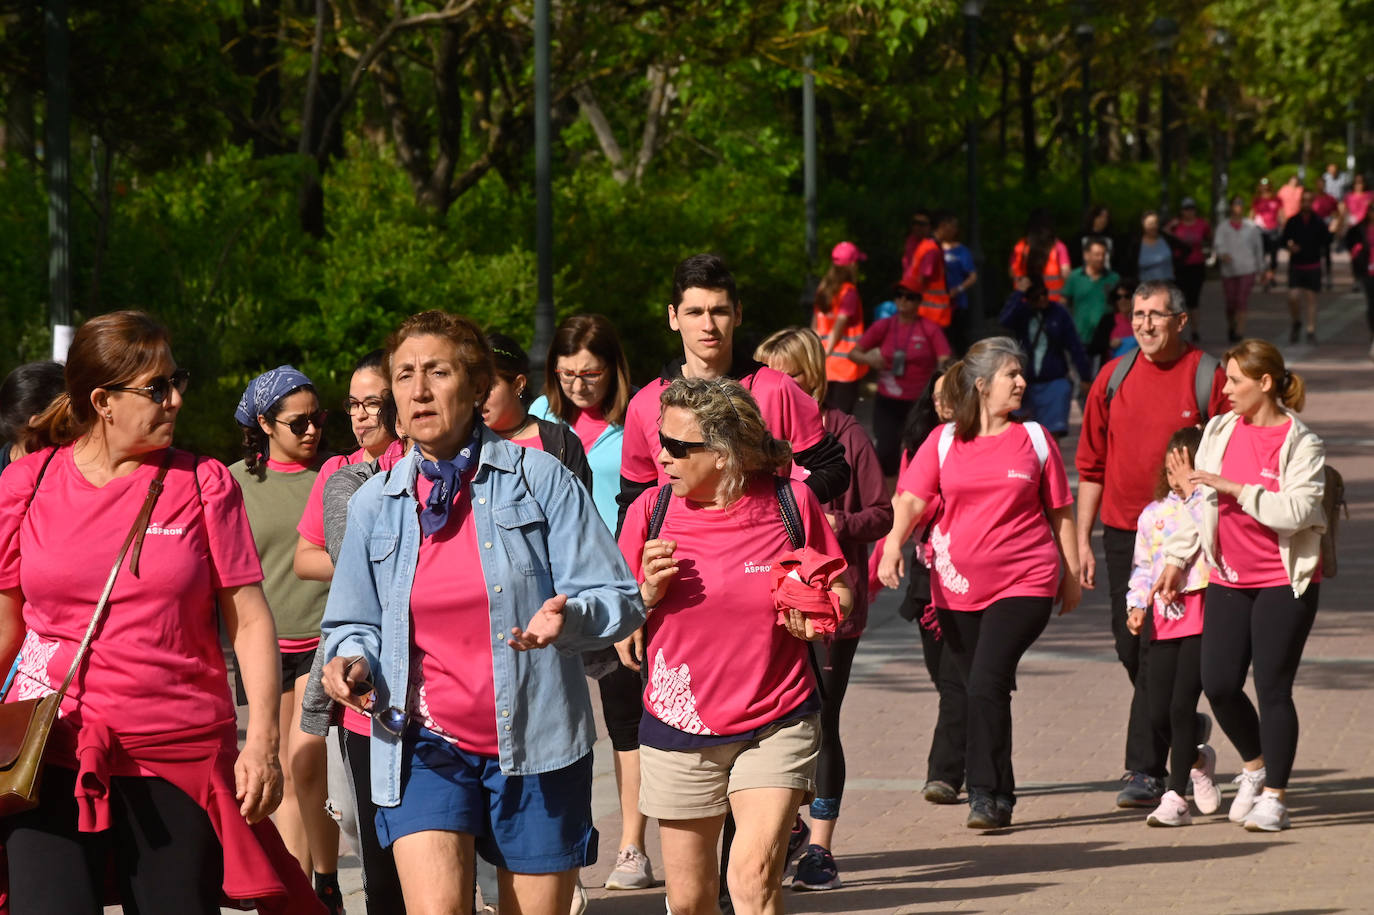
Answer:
[(1203, 374), (1033, 429), (787, 507), (1333, 501)]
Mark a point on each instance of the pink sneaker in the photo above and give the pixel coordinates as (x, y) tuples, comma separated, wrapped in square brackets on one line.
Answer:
[(1172, 811), (1206, 794)]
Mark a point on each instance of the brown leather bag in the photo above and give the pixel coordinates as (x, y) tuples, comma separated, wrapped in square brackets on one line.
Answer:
[(25, 726)]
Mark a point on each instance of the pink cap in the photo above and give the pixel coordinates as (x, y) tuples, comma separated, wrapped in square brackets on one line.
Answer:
[(846, 254)]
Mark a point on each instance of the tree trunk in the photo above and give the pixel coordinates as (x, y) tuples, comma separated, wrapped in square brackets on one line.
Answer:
[(1144, 149), (104, 165), (1003, 108), (1030, 148)]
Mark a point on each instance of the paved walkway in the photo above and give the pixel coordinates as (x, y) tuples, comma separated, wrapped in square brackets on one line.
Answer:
[(1071, 849)]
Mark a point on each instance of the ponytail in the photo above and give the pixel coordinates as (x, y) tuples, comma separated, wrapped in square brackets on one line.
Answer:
[(56, 425), (1292, 391)]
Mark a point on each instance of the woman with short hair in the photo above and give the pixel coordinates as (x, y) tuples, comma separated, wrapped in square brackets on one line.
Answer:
[(1005, 532), (457, 565), (1262, 473), (730, 723), (25, 394)]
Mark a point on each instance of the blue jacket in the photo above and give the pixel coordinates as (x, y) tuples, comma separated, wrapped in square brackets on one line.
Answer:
[(541, 536), (604, 458), (1059, 334)]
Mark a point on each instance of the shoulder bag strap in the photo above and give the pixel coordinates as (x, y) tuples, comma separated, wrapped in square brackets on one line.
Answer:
[(134, 537)]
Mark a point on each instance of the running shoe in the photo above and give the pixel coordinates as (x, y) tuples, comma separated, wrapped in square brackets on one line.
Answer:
[(1206, 794), (632, 870), (938, 792), (817, 871), (1141, 790), (1172, 811), (982, 813), (1267, 815), (579, 900), (1249, 786), (798, 840)]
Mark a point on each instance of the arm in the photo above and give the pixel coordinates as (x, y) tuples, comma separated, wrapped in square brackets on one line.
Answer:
[(1012, 311), (11, 625), (1091, 461), (829, 470), (1089, 501), (312, 562), (1076, 353), (257, 771), (836, 333), (1142, 565), (1066, 538)]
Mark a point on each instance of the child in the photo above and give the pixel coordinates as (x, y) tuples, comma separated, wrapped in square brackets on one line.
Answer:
[(1175, 671), (1114, 336)]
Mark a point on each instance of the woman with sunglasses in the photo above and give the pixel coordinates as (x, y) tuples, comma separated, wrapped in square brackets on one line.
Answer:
[(731, 715), (282, 424), (457, 566), (1114, 335), (144, 781)]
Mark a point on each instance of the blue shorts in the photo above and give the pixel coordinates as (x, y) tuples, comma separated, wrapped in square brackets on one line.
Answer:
[(1047, 402), (526, 824)]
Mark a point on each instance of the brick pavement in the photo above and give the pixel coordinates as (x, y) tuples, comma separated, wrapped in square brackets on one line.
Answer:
[(1071, 849)]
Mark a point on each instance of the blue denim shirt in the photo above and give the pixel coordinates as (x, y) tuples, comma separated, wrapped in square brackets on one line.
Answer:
[(540, 536)]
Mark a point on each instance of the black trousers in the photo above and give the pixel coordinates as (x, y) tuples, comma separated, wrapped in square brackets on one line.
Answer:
[(1190, 279), (1145, 750), (381, 885), (987, 645), (1268, 626), (889, 419), (948, 743), (1175, 685), (166, 856)]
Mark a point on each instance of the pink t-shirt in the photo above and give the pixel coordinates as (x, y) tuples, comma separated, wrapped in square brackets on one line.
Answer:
[(1357, 204), (1323, 204), (924, 344), (993, 539), (1266, 210), (533, 441), (1290, 200), (156, 666), (1247, 551), (589, 424), (789, 412), (311, 525), (1194, 235), (452, 688), (718, 662), (1190, 623)]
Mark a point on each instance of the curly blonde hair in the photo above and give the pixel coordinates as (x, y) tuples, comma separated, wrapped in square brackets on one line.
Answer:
[(732, 427)]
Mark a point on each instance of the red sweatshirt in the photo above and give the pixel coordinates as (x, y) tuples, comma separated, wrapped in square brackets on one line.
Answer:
[(1122, 445)]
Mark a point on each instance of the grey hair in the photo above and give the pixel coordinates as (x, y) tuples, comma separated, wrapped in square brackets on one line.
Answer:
[(732, 427), (1151, 288), (982, 361)]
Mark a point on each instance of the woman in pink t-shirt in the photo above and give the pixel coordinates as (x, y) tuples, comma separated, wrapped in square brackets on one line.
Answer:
[(1265, 211), (1195, 233), (165, 802), (1006, 529), (730, 711), (1263, 475)]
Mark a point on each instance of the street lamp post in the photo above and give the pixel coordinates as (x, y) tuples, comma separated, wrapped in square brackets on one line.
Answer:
[(1221, 146), (1165, 32), (1350, 142), (973, 12), (57, 154), (1084, 33), (809, 157), (543, 189)]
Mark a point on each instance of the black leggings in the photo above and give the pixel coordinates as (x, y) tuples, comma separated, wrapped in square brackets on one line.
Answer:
[(836, 661), (622, 705), (1190, 279), (987, 645), (1175, 676), (167, 858), (381, 885), (889, 420), (1270, 627), (1145, 750)]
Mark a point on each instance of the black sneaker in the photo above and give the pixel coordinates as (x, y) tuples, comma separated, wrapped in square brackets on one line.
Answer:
[(938, 792), (1004, 807), (797, 841), (1311, 336), (1295, 332), (982, 813), (1141, 790), (817, 871)]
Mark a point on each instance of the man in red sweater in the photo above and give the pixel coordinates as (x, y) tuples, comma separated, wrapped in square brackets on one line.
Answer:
[(1120, 452)]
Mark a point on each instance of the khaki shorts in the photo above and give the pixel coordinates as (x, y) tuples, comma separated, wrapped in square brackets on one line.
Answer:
[(694, 784)]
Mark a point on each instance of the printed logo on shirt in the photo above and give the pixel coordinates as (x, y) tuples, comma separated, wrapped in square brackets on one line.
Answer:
[(751, 567), (1227, 572), (671, 700), (31, 680), (1019, 475), (1187, 413), (156, 528), (1268, 474), (944, 567)]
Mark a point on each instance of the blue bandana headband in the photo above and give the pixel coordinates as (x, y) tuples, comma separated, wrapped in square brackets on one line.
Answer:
[(264, 391), (447, 477)]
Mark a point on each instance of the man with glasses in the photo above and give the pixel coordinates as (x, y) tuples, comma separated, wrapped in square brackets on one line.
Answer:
[(1133, 408)]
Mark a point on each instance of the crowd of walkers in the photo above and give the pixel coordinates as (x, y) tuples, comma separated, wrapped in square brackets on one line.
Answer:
[(412, 625)]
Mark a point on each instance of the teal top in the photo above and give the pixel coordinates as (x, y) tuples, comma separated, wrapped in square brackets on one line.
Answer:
[(604, 459)]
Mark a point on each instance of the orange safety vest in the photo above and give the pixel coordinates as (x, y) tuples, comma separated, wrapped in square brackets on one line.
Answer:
[(838, 367), (1053, 278), (935, 303)]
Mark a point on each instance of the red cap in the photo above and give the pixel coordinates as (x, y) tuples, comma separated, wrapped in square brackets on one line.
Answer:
[(846, 254)]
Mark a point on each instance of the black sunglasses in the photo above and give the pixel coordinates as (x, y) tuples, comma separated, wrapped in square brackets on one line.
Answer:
[(392, 719), (301, 423), (676, 447), (160, 388)]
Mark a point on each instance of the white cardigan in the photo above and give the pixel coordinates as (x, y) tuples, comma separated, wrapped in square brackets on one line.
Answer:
[(1294, 512)]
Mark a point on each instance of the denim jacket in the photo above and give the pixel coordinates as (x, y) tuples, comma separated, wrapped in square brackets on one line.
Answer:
[(540, 536)]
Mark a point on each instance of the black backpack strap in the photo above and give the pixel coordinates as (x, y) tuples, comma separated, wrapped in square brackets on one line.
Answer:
[(791, 516), (39, 479), (665, 492), (1123, 366)]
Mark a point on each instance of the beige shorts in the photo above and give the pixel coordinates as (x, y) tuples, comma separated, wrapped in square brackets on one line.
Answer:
[(694, 784)]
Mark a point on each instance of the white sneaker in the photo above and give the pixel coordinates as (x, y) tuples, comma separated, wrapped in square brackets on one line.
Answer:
[(1172, 811), (579, 900), (1250, 784), (1206, 794), (632, 870), (1268, 815)]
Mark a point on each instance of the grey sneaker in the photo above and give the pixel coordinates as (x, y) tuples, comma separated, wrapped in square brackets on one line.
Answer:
[(632, 870), (1249, 785), (1267, 815)]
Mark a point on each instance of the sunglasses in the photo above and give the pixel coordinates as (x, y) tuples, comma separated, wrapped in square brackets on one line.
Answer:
[(392, 719), (301, 423), (677, 448), (160, 388)]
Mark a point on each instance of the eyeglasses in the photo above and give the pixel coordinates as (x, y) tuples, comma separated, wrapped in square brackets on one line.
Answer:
[(372, 406), (392, 719), (1122, 295), (1152, 317), (590, 378), (677, 448), (301, 423), (160, 388)]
